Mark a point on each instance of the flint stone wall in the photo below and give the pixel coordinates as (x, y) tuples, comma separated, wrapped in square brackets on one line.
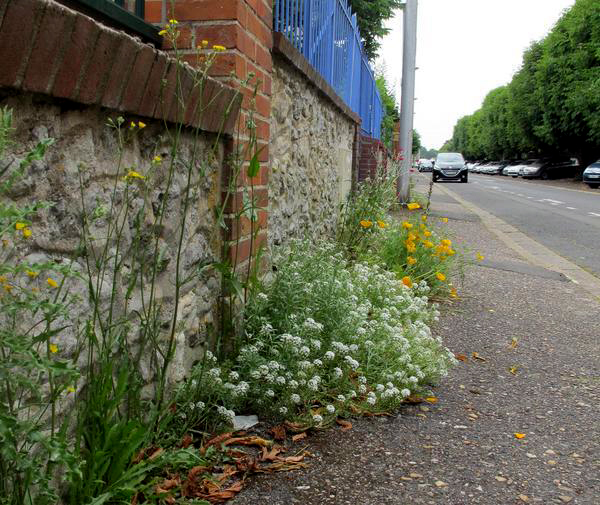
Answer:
[(84, 144), (310, 157)]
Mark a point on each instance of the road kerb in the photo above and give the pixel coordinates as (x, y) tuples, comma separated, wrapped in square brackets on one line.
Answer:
[(529, 249)]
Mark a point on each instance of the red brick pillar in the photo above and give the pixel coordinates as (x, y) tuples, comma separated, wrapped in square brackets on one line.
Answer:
[(244, 28)]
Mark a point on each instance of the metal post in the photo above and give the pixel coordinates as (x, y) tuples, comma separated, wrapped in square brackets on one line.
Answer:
[(407, 100)]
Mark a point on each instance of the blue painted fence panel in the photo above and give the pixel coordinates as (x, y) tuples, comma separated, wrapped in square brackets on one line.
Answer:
[(326, 33)]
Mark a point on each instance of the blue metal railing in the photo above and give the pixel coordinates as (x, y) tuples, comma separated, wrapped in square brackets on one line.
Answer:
[(326, 33)]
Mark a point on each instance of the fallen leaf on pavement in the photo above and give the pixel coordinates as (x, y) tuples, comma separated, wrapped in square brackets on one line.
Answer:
[(513, 370), (299, 436), (346, 425), (278, 432), (248, 441), (476, 356), (295, 426), (520, 435), (461, 357), (225, 494), (431, 399), (514, 342), (271, 455), (216, 441)]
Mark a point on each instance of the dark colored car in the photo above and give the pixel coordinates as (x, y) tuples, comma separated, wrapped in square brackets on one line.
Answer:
[(591, 175), (551, 169), (450, 167)]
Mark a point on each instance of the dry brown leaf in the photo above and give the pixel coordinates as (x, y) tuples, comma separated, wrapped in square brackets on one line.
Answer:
[(249, 441), (461, 357), (228, 471), (279, 432), (299, 436), (295, 427), (156, 454), (476, 356), (414, 399), (215, 441), (247, 464), (346, 425), (186, 441), (225, 494), (170, 483), (271, 455), (294, 459)]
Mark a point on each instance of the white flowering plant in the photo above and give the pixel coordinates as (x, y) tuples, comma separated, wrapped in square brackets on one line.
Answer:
[(325, 337)]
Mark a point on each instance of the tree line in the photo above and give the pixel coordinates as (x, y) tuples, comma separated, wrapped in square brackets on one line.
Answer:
[(551, 106)]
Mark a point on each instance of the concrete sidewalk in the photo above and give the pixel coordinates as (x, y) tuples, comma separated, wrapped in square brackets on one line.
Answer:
[(536, 336)]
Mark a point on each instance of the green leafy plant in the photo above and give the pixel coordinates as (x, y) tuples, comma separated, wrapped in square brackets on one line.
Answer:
[(36, 382)]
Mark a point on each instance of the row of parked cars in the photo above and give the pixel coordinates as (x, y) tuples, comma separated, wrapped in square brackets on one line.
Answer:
[(539, 168)]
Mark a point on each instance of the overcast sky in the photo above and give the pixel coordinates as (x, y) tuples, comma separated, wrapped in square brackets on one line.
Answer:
[(465, 48)]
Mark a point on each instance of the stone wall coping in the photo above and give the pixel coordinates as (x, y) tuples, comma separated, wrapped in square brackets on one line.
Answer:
[(284, 48), (48, 48)]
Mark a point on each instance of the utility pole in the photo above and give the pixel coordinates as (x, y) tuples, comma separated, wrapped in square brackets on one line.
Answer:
[(407, 100)]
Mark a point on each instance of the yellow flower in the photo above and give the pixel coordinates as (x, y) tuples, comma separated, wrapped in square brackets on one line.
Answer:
[(410, 246), (444, 220), (141, 124), (3, 279), (70, 389), (366, 223), (204, 43), (7, 287), (427, 233), (407, 282), (453, 293), (132, 125), (219, 48), (440, 276), (53, 348), (51, 282), (162, 32), (172, 21), (132, 174), (450, 252), (446, 242), (157, 159), (381, 224), (520, 435), (19, 225), (407, 225), (428, 243), (424, 218), (480, 257), (411, 237), (410, 260), (413, 206), (27, 232), (31, 274)]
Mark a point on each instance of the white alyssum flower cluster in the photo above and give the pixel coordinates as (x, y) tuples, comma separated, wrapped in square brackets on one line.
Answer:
[(323, 335)]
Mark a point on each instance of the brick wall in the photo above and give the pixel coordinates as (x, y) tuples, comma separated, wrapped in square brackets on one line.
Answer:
[(244, 28), (371, 152), (50, 49)]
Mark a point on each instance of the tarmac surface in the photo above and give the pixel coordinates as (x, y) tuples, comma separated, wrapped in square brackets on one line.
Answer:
[(536, 372)]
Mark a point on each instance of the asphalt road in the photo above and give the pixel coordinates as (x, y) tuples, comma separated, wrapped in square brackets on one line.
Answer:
[(564, 220)]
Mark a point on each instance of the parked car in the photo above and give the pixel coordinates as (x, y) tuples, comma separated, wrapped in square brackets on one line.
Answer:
[(496, 167), (591, 175), (450, 167), (515, 169), (551, 169), (425, 165)]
